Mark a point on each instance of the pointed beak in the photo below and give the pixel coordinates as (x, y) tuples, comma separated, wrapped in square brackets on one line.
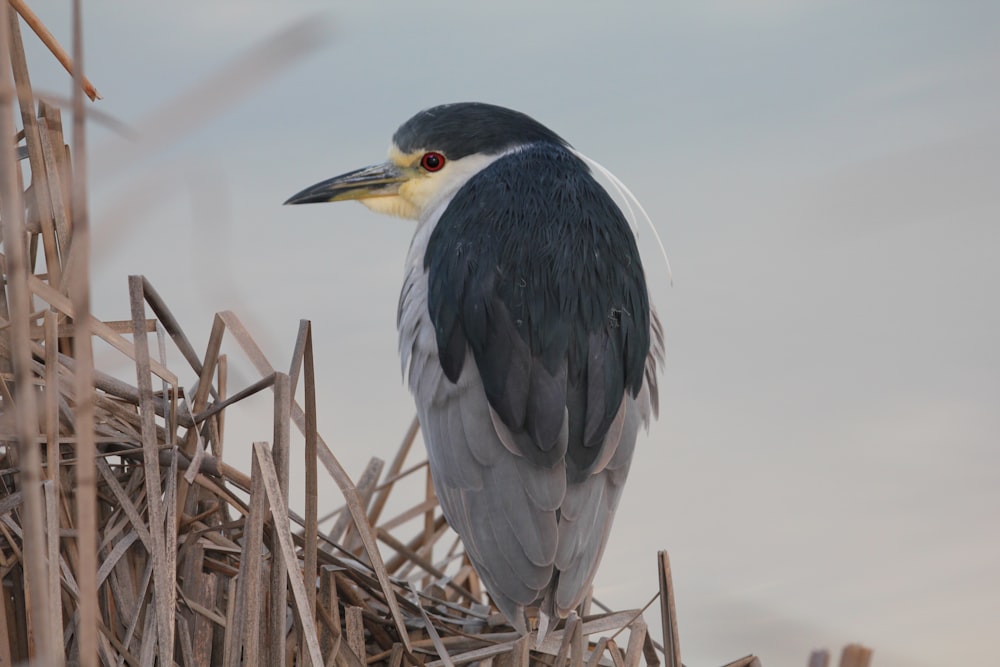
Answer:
[(378, 180)]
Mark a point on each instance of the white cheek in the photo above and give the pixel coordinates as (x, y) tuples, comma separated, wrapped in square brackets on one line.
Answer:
[(428, 191), (421, 190)]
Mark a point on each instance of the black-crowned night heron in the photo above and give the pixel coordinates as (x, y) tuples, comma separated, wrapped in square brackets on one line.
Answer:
[(526, 333)]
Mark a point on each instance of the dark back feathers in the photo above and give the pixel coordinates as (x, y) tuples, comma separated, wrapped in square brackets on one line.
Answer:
[(534, 268)]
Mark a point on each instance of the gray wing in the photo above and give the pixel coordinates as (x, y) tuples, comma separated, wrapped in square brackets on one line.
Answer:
[(533, 537), (589, 506), (504, 507)]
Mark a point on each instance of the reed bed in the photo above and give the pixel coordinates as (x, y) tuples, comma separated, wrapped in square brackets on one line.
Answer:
[(126, 538)]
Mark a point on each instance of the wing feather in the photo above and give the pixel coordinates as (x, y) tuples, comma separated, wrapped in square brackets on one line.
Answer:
[(455, 467), (490, 495), (587, 513), (535, 530)]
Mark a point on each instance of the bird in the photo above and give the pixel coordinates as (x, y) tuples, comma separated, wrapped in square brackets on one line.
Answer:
[(526, 336)]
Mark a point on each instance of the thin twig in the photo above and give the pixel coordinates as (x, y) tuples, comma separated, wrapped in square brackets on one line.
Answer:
[(35, 23)]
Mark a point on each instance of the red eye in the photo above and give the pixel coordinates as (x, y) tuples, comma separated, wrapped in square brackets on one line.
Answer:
[(432, 161)]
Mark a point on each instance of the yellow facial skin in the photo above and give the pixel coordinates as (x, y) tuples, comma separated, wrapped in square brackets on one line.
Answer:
[(399, 186), (421, 190), (411, 196)]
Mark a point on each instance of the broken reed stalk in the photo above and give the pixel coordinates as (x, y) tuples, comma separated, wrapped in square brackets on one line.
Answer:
[(668, 613), (84, 417), (35, 23), (27, 454), (162, 580)]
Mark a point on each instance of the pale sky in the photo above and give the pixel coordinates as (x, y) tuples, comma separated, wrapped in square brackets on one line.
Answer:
[(824, 174)]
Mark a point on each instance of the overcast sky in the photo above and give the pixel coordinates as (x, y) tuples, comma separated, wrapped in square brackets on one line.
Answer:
[(824, 174)]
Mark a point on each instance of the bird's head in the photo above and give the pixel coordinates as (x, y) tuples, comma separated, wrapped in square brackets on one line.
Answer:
[(432, 155)]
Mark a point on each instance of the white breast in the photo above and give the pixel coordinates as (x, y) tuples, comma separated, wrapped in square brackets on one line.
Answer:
[(417, 343)]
